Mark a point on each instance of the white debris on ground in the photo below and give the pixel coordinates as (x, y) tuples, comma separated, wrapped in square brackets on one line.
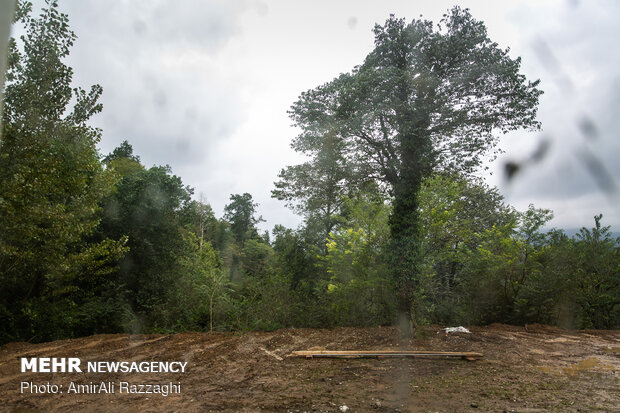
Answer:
[(458, 329), (344, 408), (272, 354)]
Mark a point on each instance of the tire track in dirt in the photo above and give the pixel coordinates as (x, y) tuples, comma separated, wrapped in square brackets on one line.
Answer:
[(538, 368)]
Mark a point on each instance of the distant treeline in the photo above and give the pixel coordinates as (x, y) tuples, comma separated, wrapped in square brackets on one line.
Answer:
[(156, 261), (92, 244)]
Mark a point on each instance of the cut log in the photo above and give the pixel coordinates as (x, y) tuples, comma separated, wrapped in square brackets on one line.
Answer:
[(385, 353)]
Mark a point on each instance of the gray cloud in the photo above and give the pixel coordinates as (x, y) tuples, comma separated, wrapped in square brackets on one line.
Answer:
[(204, 86), (157, 63), (575, 56)]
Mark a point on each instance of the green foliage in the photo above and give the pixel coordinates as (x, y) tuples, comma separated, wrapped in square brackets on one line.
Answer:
[(266, 303), (352, 251), (318, 188), (240, 213), (504, 266), (296, 258), (122, 151), (423, 100), (147, 207), (203, 287), (596, 278), (51, 183), (359, 302), (394, 222), (255, 258), (523, 275), (200, 220), (454, 211), (357, 290)]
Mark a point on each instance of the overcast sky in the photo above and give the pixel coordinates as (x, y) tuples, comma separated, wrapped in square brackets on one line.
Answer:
[(204, 86)]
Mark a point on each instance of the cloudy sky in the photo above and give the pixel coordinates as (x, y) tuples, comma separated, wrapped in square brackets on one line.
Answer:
[(204, 86)]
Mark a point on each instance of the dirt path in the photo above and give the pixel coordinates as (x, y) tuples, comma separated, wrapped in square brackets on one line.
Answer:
[(532, 369)]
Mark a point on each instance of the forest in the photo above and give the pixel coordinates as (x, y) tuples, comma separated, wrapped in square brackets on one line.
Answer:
[(398, 228)]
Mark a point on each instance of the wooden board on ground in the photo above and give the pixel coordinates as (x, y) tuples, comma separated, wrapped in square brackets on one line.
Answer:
[(385, 353)]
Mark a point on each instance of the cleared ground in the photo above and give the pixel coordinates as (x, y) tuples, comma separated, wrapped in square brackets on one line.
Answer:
[(532, 369)]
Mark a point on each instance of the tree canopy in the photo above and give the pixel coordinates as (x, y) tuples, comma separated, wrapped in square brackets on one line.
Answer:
[(240, 213), (395, 222), (51, 182), (423, 100)]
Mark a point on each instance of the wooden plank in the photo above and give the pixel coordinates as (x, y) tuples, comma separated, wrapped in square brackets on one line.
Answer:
[(385, 353)]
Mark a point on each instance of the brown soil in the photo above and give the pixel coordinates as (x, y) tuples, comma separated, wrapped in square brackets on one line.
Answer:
[(532, 369)]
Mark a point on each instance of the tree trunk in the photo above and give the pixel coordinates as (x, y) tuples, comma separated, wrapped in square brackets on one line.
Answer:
[(415, 156), (405, 250), (211, 313)]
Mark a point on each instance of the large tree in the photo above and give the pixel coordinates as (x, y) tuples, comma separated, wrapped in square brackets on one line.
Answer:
[(427, 98), (240, 213), (51, 183), (149, 206), (317, 188)]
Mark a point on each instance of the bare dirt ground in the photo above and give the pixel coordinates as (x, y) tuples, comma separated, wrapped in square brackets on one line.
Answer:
[(532, 369)]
